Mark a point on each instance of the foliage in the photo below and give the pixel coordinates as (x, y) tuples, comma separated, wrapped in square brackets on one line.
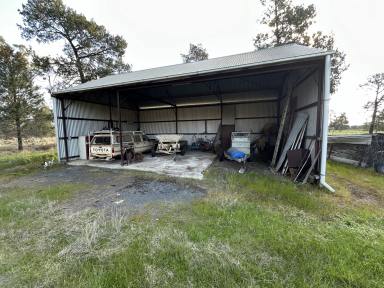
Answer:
[(375, 83), (195, 53), (20, 101), (89, 52), (288, 23), (41, 125), (339, 122)]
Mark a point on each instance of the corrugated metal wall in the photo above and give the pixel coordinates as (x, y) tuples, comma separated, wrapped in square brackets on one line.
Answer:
[(205, 120), (306, 100), (82, 118)]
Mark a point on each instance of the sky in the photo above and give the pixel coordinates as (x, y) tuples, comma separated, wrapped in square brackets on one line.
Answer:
[(158, 31)]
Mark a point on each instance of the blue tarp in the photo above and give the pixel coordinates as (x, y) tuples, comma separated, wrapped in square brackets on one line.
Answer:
[(236, 154)]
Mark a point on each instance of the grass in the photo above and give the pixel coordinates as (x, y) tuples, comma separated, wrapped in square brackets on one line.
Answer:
[(350, 132), (366, 178), (249, 231), (347, 132), (23, 163)]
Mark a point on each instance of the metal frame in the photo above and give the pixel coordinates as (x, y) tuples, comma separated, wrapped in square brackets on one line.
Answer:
[(64, 129)]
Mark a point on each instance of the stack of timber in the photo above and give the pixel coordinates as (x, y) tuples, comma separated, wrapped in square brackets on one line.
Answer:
[(302, 165), (360, 150)]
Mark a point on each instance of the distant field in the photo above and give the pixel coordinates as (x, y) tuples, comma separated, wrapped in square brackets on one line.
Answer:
[(350, 132), (30, 144), (347, 132)]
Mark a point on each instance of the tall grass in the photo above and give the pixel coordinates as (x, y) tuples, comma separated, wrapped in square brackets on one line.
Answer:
[(29, 144), (22, 163)]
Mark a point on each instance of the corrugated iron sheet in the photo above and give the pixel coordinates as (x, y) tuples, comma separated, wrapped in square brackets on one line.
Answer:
[(274, 55)]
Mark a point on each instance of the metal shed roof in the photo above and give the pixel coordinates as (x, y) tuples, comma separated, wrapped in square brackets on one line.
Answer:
[(276, 55)]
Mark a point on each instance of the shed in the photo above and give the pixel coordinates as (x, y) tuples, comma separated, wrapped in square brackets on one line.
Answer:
[(247, 90)]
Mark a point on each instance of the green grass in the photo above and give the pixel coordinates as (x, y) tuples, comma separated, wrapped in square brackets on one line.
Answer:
[(60, 192), (350, 132), (249, 231), (238, 238), (23, 163), (366, 178), (347, 132)]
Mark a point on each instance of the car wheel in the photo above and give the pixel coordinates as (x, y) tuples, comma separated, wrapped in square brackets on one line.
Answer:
[(153, 152), (183, 150)]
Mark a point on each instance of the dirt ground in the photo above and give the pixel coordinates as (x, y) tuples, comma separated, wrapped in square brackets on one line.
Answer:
[(129, 192)]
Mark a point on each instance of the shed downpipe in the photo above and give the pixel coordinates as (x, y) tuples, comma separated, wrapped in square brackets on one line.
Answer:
[(324, 138)]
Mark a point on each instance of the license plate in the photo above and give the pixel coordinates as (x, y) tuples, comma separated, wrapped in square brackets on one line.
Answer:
[(100, 150)]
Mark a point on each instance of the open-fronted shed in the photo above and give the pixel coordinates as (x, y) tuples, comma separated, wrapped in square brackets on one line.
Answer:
[(248, 90)]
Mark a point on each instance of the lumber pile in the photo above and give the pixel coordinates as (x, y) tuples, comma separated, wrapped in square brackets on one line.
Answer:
[(290, 155)]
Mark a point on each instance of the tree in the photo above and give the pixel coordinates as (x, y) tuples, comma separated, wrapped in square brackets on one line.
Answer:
[(19, 97), (89, 51), (339, 122), (380, 121), (374, 83), (41, 123), (196, 53), (288, 23)]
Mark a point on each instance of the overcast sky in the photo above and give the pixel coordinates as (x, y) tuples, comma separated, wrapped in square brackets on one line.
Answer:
[(158, 31)]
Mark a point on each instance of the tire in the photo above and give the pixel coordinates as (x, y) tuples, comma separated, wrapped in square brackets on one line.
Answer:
[(129, 155), (153, 151), (183, 149)]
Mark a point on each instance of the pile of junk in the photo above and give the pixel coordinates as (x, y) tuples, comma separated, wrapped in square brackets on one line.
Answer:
[(282, 148), (242, 147)]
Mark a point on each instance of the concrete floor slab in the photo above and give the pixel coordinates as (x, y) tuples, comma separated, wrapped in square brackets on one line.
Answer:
[(191, 165)]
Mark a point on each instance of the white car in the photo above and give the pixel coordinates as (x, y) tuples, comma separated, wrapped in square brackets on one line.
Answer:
[(105, 144)]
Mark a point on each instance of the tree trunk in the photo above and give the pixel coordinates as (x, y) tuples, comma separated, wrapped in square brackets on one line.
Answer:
[(19, 137), (78, 61), (373, 122), (277, 30), (80, 69)]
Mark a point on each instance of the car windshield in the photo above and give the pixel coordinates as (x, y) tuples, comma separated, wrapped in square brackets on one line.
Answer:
[(104, 140)]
